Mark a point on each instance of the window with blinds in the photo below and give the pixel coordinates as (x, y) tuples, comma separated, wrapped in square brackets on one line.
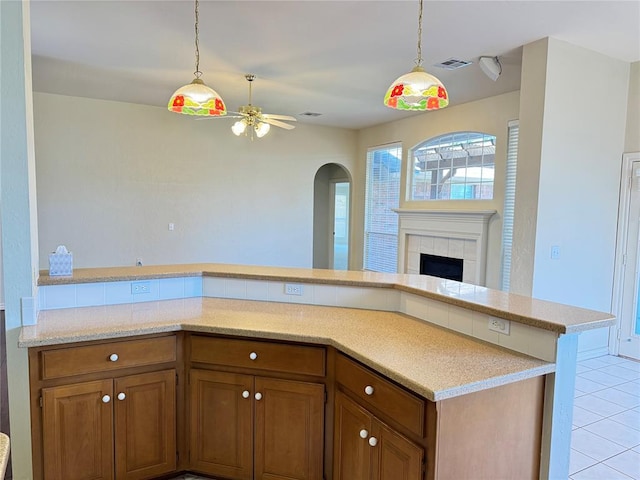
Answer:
[(382, 194), (509, 203)]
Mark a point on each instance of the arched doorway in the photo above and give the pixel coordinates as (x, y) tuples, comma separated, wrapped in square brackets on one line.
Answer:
[(331, 208)]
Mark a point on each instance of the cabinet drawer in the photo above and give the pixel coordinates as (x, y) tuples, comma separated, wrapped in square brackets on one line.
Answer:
[(399, 405), (65, 362), (277, 357)]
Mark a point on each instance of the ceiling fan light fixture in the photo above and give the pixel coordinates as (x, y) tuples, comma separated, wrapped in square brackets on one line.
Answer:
[(417, 90), (262, 129), (196, 98), (239, 127), (255, 123)]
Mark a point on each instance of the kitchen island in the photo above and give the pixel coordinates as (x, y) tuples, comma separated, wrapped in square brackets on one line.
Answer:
[(431, 336)]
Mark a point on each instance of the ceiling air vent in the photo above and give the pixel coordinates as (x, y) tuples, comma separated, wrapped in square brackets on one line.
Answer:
[(310, 114), (453, 63)]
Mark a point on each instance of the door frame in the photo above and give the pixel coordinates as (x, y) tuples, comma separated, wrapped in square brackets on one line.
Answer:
[(626, 177)]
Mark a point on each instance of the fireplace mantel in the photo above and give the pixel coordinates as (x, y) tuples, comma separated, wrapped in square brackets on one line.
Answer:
[(449, 233)]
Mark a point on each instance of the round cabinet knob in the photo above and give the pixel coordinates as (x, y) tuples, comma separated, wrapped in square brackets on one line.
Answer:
[(121, 396), (368, 390), (113, 357), (245, 394), (364, 433), (106, 399), (258, 396), (373, 441), (253, 355)]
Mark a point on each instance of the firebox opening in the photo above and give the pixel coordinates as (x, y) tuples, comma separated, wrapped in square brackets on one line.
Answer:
[(443, 267)]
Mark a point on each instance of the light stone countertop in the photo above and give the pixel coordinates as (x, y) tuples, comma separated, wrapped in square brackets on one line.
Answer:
[(526, 310), (432, 361), (4, 453)]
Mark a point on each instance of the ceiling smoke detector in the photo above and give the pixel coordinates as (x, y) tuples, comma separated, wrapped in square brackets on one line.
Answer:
[(453, 64)]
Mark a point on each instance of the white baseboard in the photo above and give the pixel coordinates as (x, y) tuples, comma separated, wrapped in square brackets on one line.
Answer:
[(597, 352)]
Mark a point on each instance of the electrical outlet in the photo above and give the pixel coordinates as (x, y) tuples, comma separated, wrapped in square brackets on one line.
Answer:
[(138, 262), (499, 325), (140, 287), (292, 289)]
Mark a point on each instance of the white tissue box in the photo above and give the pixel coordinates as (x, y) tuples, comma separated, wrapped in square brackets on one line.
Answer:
[(60, 264)]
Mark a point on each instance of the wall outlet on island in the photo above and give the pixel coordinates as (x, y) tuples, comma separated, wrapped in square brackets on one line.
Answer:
[(499, 325), (138, 262), (292, 289), (140, 287)]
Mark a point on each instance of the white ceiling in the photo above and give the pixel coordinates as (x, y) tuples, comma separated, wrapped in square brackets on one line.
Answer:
[(332, 57)]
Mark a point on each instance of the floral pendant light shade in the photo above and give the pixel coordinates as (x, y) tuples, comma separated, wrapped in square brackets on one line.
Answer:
[(196, 98), (417, 90)]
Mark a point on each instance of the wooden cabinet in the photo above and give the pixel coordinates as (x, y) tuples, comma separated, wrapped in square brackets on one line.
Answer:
[(366, 448), (221, 423), (397, 403), (258, 410), (382, 431), (122, 426), (145, 425), (289, 429), (77, 431), (365, 445), (245, 425)]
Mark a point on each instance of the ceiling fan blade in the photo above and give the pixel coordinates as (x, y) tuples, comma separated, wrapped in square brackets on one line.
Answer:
[(279, 117), (277, 123), (233, 115)]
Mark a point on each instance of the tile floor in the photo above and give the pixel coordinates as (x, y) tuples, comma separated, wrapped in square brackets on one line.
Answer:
[(605, 442)]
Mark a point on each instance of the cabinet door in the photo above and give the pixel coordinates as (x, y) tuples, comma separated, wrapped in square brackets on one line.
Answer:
[(394, 456), (77, 430), (289, 430), (351, 450), (145, 425), (221, 424)]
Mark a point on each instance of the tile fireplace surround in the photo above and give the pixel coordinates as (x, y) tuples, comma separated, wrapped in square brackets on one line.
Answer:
[(456, 234)]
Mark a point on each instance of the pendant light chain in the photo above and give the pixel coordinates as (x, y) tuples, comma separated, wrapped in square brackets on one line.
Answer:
[(419, 59), (197, 73), (196, 98)]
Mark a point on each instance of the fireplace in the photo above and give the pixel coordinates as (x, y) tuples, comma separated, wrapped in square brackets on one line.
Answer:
[(443, 267), (459, 234)]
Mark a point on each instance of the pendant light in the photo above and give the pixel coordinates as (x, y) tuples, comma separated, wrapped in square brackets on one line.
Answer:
[(417, 90), (196, 98)]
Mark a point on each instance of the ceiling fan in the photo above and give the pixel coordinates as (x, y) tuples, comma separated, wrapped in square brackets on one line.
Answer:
[(253, 120)]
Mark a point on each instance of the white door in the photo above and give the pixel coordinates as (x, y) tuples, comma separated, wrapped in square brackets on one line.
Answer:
[(339, 242), (629, 313)]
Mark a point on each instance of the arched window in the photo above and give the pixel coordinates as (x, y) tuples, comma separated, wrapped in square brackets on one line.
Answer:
[(454, 166)]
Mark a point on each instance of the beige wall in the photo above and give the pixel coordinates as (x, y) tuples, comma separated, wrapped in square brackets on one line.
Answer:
[(112, 176), (489, 115), (571, 152), (632, 141), (532, 98)]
